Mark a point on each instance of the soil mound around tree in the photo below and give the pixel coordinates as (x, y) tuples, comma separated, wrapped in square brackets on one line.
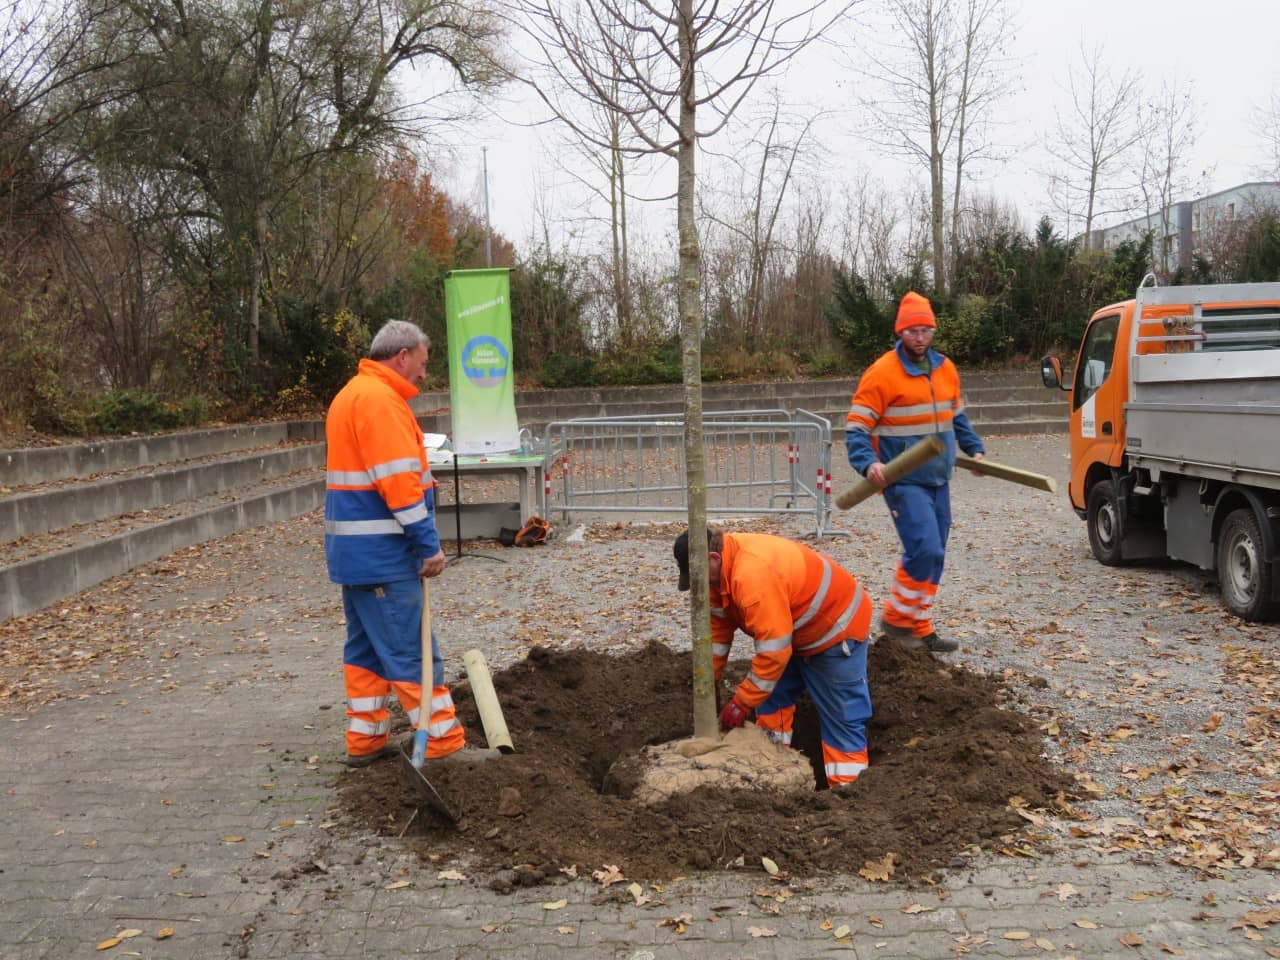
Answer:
[(946, 759)]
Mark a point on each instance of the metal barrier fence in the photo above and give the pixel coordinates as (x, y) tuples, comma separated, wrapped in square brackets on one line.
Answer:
[(758, 462)]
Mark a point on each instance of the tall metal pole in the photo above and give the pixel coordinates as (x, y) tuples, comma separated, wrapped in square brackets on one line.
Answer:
[(488, 251)]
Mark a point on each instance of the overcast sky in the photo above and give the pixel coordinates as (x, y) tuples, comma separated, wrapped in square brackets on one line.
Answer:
[(1224, 51)]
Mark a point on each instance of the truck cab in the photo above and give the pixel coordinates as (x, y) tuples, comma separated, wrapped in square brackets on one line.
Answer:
[(1175, 434)]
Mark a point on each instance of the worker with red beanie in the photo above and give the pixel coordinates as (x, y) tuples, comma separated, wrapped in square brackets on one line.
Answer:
[(910, 392)]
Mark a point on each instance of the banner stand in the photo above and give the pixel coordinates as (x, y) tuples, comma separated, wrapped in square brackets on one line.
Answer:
[(482, 404)]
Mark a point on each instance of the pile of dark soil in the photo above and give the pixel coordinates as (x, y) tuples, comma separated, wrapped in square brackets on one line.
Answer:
[(945, 761)]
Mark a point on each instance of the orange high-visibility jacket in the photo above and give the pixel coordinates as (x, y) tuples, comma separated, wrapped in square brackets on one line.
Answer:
[(789, 599), (897, 404), (379, 510)]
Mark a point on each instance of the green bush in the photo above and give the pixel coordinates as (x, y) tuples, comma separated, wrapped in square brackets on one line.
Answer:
[(658, 362), (560, 370), (958, 336), (139, 411), (826, 361)]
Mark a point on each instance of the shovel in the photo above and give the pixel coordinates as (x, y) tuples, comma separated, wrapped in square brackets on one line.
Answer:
[(413, 763)]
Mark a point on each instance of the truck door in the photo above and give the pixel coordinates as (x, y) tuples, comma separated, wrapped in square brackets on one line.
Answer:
[(1097, 431)]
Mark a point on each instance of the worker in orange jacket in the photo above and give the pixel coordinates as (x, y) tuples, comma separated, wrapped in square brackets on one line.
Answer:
[(809, 619), (910, 392), (379, 540)]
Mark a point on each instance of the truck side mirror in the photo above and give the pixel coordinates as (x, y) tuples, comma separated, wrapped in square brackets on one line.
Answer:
[(1051, 373)]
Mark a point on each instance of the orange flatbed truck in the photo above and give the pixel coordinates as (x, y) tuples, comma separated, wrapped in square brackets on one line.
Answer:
[(1175, 434)]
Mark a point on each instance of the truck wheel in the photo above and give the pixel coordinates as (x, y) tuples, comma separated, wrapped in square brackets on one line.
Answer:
[(1243, 572), (1106, 525)]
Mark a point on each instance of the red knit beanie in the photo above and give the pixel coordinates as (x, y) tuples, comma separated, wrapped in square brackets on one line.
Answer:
[(914, 311)]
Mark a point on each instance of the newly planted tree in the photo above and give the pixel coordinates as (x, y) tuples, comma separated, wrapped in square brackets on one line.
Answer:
[(675, 73)]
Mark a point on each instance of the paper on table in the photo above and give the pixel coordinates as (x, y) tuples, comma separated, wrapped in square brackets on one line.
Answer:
[(433, 440)]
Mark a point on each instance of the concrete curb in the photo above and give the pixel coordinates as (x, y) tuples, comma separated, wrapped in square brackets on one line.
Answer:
[(36, 583), (46, 464), (84, 503)]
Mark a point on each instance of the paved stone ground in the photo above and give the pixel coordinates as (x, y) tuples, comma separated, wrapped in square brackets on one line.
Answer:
[(193, 790)]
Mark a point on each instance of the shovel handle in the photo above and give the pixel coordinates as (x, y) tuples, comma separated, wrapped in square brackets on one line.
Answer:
[(424, 700)]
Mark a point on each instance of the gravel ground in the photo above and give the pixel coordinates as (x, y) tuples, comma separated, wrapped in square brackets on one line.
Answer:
[(1163, 705)]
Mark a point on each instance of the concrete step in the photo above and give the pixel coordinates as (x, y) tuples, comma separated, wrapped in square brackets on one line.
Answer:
[(51, 577), (79, 460), (235, 490), (70, 504)]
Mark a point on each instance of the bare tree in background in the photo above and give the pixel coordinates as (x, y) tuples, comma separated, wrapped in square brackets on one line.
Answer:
[(43, 54), (607, 184), (1266, 118), (677, 73), (1103, 125), (767, 168), (1174, 117), (870, 229), (247, 100), (942, 70), (986, 32)]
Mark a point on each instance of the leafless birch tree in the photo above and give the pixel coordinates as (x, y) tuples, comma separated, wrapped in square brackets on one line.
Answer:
[(1266, 118), (752, 204), (1173, 125), (1102, 125), (938, 76), (676, 72)]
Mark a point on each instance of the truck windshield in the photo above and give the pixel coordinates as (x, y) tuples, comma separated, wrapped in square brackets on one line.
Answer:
[(1096, 354)]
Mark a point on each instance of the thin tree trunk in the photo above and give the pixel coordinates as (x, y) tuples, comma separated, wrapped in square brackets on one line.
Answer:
[(256, 252), (705, 722)]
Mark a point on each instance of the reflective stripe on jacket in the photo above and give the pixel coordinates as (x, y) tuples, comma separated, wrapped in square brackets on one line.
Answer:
[(789, 599), (897, 404), (379, 516)]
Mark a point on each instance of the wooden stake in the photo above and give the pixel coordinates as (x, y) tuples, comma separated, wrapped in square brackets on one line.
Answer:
[(894, 470), (998, 470)]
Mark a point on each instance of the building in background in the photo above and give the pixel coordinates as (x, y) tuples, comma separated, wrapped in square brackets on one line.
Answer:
[(1188, 226)]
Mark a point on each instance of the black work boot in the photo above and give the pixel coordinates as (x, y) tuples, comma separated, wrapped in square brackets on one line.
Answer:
[(937, 644), (358, 760), (900, 635)]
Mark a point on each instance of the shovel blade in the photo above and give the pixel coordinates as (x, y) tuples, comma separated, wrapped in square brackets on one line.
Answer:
[(420, 782)]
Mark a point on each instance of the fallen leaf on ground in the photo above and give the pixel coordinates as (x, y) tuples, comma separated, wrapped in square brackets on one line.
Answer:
[(607, 874), (1258, 919), (879, 869), (761, 932)]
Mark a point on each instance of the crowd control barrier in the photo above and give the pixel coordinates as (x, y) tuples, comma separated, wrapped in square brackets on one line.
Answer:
[(757, 462)]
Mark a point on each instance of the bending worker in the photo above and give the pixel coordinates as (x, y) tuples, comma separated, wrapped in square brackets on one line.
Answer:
[(379, 540), (907, 394), (809, 619)]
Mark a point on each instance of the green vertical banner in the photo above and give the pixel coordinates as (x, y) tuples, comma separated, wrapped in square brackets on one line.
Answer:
[(482, 392)]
